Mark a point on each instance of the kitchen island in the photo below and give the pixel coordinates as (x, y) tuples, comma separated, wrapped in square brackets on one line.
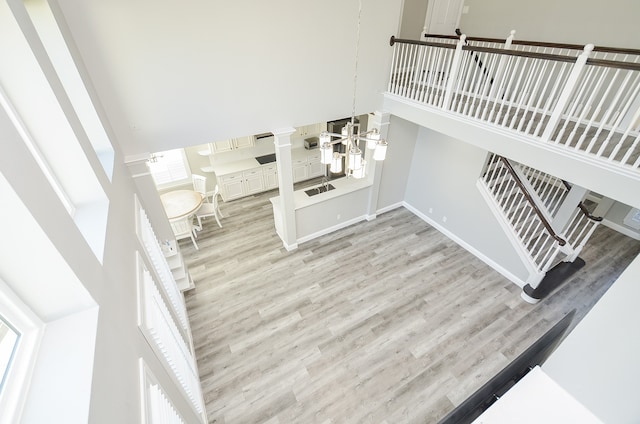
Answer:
[(326, 212)]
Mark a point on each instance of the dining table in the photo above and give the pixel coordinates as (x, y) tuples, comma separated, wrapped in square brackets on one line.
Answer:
[(181, 203)]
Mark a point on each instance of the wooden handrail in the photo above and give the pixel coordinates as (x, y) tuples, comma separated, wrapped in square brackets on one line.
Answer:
[(537, 210), (582, 206), (521, 53), (394, 40), (567, 46)]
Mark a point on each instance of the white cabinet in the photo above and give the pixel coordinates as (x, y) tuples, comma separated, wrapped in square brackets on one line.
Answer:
[(300, 169), (270, 173), (231, 186), (307, 167), (242, 183), (311, 130), (316, 168), (253, 181), (244, 142), (233, 144), (222, 146)]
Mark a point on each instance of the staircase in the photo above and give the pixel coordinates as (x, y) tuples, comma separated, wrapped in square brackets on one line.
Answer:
[(541, 216)]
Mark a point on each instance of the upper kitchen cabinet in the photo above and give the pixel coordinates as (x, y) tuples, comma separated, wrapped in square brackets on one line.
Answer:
[(233, 144), (311, 130)]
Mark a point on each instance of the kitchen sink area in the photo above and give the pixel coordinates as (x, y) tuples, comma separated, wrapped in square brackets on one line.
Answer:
[(320, 189)]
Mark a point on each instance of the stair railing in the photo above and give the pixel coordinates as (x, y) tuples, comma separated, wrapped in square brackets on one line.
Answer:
[(586, 106), (566, 49), (532, 203), (535, 236), (550, 190), (580, 228)]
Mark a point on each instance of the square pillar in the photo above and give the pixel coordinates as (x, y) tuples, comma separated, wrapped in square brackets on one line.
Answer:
[(282, 141)]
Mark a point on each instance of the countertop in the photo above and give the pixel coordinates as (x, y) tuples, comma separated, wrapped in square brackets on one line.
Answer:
[(342, 186), (252, 163)]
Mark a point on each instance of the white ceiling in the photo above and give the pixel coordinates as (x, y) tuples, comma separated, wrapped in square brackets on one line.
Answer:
[(179, 73)]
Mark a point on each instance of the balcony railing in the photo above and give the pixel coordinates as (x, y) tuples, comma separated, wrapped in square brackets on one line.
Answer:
[(584, 102)]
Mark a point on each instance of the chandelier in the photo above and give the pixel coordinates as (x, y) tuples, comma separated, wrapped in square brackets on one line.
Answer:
[(351, 137), (354, 143)]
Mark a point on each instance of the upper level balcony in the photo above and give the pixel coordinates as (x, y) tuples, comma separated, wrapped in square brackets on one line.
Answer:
[(571, 111)]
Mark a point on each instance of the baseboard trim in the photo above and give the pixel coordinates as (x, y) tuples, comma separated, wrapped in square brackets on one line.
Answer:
[(389, 208), (475, 252), (290, 247), (329, 230)]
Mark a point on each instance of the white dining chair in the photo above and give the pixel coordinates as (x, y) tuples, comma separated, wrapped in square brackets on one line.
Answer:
[(210, 209), (183, 228), (200, 185)]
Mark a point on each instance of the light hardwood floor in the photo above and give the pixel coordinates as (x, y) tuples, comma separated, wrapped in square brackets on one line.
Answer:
[(386, 321)]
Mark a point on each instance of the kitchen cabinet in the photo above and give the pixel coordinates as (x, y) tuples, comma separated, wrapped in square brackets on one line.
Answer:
[(231, 186), (242, 183), (300, 168), (243, 177), (311, 130), (270, 173), (233, 144), (315, 167), (253, 181)]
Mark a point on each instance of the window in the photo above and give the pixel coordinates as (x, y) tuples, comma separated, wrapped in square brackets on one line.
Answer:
[(169, 167), (20, 335), (8, 344)]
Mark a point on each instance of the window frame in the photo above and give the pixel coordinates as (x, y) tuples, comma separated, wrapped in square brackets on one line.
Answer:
[(21, 368), (158, 156)]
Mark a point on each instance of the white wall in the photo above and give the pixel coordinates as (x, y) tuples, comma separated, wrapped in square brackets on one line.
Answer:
[(606, 23), (395, 168), (598, 361), (442, 184), (176, 74)]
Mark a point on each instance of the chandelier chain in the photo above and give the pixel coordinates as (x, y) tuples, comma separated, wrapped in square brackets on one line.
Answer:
[(355, 73)]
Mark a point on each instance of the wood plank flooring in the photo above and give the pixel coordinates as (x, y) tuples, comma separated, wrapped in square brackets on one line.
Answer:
[(386, 321)]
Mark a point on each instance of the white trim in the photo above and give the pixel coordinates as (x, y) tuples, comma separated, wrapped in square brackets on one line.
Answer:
[(508, 230), (499, 268), (151, 391), (621, 229), (20, 371), (389, 208), (289, 247), (329, 230), (35, 151)]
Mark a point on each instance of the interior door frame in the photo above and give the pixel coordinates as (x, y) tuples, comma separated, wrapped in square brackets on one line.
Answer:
[(431, 6)]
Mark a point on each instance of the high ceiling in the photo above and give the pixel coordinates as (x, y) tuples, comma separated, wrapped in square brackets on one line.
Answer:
[(179, 73)]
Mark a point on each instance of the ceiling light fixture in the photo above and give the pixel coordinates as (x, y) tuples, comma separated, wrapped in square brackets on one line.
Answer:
[(351, 137)]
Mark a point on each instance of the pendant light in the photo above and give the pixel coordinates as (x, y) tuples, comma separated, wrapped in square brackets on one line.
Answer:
[(350, 136)]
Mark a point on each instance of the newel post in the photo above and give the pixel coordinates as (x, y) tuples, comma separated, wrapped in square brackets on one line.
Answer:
[(496, 85), (567, 92), (453, 73), (509, 40)]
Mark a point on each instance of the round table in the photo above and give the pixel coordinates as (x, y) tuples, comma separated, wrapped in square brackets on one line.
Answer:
[(180, 203)]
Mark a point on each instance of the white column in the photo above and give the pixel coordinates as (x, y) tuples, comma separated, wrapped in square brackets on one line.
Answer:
[(282, 141), (379, 120)]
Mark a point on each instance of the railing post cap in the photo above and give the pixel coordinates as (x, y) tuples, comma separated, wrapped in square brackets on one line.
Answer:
[(463, 37), (588, 48), (513, 32)]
